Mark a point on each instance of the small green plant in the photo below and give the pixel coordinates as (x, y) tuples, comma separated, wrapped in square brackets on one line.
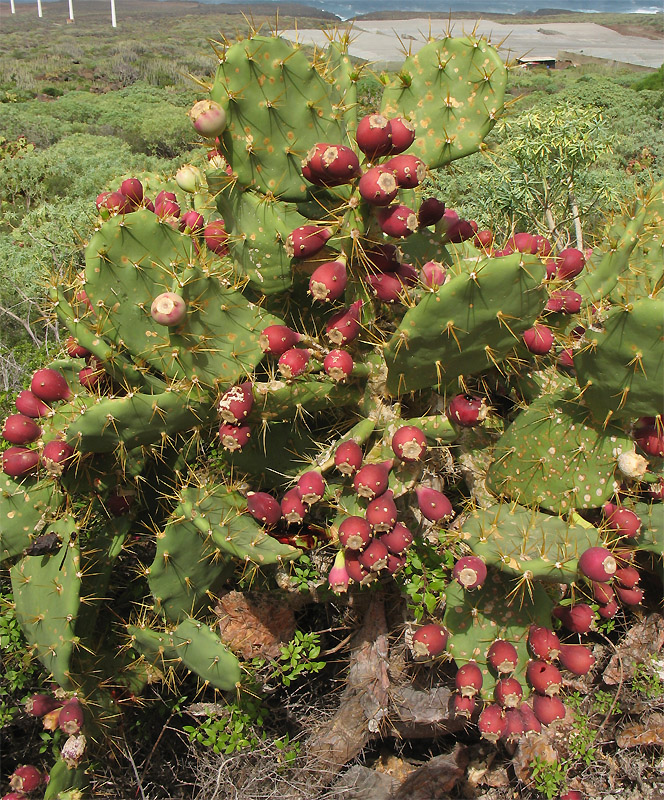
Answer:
[(425, 577), (232, 728), (647, 680), (548, 777)]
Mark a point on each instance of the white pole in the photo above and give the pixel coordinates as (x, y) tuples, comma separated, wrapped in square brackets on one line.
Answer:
[(71, 10), (13, 7), (114, 21), (39, 8)]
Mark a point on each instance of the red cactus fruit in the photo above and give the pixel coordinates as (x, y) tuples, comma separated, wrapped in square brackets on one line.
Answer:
[(576, 658), (192, 222), (508, 692), (381, 512), (132, 189), (457, 230), (530, 722), (40, 704), (468, 679), (630, 597), (168, 309), (14, 796), (538, 339), (26, 779), (483, 239), (429, 640), (566, 359), (100, 200), (71, 717), (166, 205), (208, 118), (398, 221), (395, 563), (609, 610), (292, 507), (348, 457), (382, 258), (356, 571), (19, 429), (119, 503), (293, 362), (624, 522), (216, 237), (74, 349), (598, 564), (602, 592), (49, 385), (18, 462), (338, 364), (306, 241), (387, 287), (378, 186), (433, 275), (464, 706), (311, 487), (115, 203), (547, 709), (470, 572), (433, 504), (355, 533), (564, 301), (408, 170), (264, 508), (374, 135), (572, 794), (522, 243), (403, 134), (339, 165), (467, 410), (56, 456), (514, 725), (543, 643), (344, 326), (491, 722), (338, 577), (650, 436), (409, 443), (655, 491), (276, 339), (236, 403), (544, 678), (234, 437), (407, 274), (578, 618), (397, 540), (430, 212), (90, 377), (328, 282), (502, 657), (374, 556), (627, 577), (569, 264), (371, 479)]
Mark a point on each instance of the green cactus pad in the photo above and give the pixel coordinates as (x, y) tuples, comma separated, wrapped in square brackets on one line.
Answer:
[(62, 780), (527, 544), (469, 325), (452, 90), (651, 537), (498, 610), (24, 510), (279, 400), (621, 369), (555, 456)]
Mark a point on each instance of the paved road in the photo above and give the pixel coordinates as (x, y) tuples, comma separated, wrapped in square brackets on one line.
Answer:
[(379, 41)]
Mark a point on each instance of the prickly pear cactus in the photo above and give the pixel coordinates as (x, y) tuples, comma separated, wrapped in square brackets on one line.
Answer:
[(301, 350)]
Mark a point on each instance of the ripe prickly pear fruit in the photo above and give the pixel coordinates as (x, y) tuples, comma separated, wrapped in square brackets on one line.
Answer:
[(430, 212), (208, 118), (90, 376), (547, 709), (572, 794), (348, 457), (168, 309), (398, 221), (356, 571), (378, 186), (371, 479), (624, 522), (409, 443), (306, 241), (355, 533), (19, 461), (19, 429), (71, 717), (328, 282), (192, 222), (374, 135), (433, 275), (530, 721), (26, 779), (602, 592), (216, 237), (113, 203), (234, 437), (491, 722), (544, 678), (311, 487), (433, 504), (464, 706), (576, 658), (609, 610), (470, 572), (538, 339), (338, 577), (264, 508), (564, 301), (292, 507), (276, 339), (132, 189), (467, 410), (74, 349), (457, 230), (508, 692), (397, 540), (429, 640), (514, 725), (502, 657), (578, 618), (344, 326), (566, 359), (40, 704), (395, 563), (119, 502), (56, 456), (570, 263), (293, 362), (50, 385), (409, 171), (386, 286), (403, 134), (236, 403), (468, 679), (408, 274), (650, 436), (339, 165), (597, 564), (166, 206), (338, 364), (543, 643), (627, 577), (381, 512), (14, 796), (630, 597), (382, 258), (374, 556), (483, 239)]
